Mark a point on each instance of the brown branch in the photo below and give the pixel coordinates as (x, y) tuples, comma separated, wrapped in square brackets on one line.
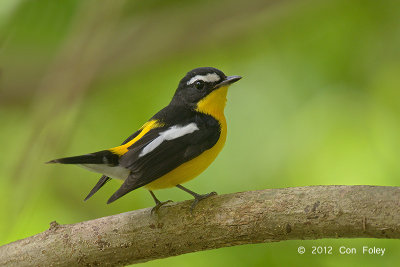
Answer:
[(312, 212)]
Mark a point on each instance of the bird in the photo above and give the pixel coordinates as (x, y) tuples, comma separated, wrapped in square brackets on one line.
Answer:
[(174, 146)]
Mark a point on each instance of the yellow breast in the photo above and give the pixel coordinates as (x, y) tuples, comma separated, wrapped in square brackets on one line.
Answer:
[(214, 105)]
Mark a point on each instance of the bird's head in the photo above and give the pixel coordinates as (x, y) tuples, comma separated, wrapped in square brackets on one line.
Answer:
[(204, 89)]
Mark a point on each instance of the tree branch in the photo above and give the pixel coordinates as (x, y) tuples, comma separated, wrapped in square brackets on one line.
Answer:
[(270, 215)]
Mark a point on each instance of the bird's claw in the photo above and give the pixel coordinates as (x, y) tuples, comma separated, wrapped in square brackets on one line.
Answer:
[(198, 198), (159, 205)]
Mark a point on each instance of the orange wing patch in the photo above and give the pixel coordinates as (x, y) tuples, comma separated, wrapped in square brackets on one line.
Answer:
[(120, 150)]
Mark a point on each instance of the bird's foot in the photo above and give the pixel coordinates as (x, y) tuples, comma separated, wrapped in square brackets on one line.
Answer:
[(198, 198), (159, 205)]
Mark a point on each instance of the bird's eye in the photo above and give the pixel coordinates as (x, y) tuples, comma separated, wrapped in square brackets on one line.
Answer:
[(199, 85)]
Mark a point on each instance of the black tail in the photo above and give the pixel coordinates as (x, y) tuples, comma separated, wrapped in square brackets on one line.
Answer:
[(101, 157), (103, 180), (131, 183)]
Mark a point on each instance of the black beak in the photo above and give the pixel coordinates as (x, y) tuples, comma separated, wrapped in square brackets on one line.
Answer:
[(229, 80)]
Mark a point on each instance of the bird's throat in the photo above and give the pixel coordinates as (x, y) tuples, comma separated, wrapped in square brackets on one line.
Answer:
[(214, 103)]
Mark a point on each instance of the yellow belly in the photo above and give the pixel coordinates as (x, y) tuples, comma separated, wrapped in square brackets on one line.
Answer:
[(189, 170)]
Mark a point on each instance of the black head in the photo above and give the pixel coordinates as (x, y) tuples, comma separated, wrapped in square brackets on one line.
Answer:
[(200, 82)]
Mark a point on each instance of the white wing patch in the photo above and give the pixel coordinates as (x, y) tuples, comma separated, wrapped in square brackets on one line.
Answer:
[(209, 78), (170, 134)]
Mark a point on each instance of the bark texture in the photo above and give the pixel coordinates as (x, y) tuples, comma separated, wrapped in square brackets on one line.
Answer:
[(271, 215)]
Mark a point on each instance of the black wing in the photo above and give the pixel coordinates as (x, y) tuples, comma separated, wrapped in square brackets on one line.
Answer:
[(104, 179), (167, 156)]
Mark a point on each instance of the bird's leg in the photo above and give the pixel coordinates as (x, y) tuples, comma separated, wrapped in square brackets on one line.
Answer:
[(197, 197), (159, 204)]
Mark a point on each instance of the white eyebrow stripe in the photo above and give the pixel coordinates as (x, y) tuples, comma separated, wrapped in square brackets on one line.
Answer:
[(170, 134), (209, 78)]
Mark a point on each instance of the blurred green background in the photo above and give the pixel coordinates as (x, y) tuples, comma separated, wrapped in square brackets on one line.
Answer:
[(319, 104)]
